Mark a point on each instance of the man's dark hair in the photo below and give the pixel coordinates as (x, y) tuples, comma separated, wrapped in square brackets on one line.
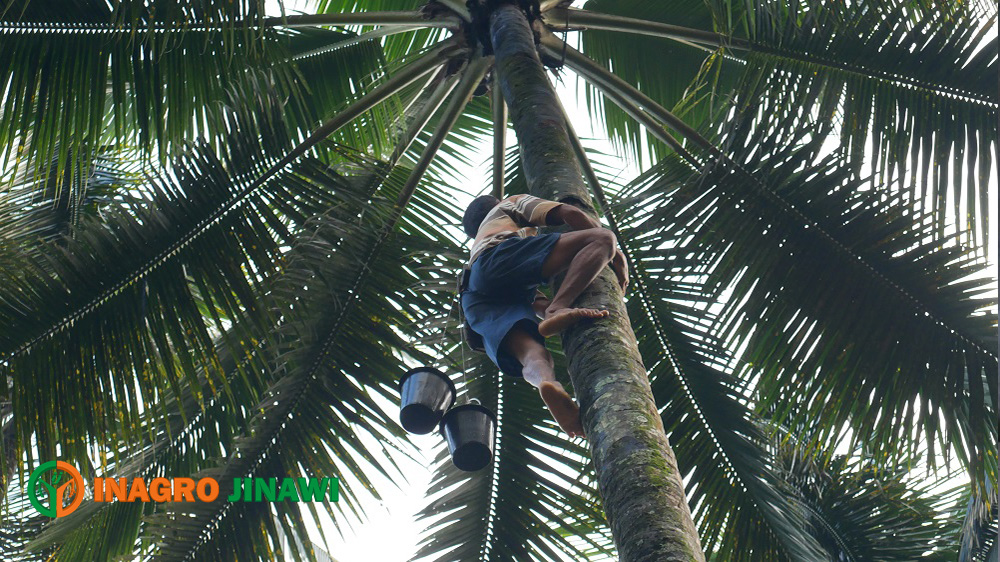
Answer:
[(476, 212)]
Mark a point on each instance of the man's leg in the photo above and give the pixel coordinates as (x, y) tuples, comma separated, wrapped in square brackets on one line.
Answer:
[(582, 254), (537, 368)]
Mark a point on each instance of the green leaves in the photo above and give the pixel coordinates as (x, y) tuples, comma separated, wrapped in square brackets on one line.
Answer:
[(905, 86), (868, 324), (739, 499), (104, 84), (196, 309), (915, 92), (153, 330), (284, 413), (856, 505), (843, 298), (672, 73)]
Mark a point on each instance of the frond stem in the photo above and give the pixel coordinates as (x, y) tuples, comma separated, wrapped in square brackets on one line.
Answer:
[(413, 18), (626, 96), (499, 107), (583, 19)]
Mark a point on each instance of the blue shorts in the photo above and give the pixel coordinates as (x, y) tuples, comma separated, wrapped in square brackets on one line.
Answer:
[(501, 288)]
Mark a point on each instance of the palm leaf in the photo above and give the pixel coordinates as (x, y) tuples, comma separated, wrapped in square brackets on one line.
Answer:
[(145, 255), (35, 209), (739, 500), (119, 370), (856, 505), (839, 245), (215, 433), (319, 359), (694, 74), (923, 121), (163, 88)]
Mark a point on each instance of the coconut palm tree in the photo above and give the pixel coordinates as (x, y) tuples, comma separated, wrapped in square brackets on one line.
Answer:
[(226, 232)]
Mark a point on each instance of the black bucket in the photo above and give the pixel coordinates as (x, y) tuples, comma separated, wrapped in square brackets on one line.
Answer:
[(469, 430), (425, 395)]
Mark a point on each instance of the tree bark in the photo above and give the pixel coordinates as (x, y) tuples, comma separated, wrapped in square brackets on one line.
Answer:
[(636, 470)]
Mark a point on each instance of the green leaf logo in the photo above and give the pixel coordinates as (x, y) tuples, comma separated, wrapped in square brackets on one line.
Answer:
[(65, 484)]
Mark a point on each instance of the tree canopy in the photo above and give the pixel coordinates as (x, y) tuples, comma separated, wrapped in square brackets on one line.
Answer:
[(224, 234)]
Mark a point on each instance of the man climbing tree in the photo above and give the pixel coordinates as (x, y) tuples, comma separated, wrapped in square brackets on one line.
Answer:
[(636, 469), (507, 262)]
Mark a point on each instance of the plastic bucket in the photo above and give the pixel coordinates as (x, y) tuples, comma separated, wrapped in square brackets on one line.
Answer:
[(469, 430), (425, 395)]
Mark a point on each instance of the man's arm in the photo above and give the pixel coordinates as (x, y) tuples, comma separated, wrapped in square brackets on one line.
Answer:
[(529, 210), (572, 217), (576, 219)]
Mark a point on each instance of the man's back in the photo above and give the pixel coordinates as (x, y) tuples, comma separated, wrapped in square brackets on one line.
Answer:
[(515, 217)]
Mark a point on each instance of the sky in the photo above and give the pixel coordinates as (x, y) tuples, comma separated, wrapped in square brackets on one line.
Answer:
[(390, 533)]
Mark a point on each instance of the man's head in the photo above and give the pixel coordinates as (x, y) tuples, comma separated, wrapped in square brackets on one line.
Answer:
[(476, 212)]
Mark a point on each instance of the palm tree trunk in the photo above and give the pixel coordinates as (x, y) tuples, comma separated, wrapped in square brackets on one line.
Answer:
[(637, 473)]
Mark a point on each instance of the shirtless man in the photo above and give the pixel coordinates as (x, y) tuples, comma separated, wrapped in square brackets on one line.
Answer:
[(507, 262)]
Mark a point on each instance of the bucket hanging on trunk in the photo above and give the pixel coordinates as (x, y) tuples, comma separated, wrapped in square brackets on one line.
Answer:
[(469, 430), (426, 394)]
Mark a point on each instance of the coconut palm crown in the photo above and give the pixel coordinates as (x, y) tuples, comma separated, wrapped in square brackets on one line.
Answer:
[(226, 231)]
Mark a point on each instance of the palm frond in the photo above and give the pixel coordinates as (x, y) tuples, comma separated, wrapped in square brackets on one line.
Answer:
[(833, 283), (924, 125), (300, 413), (927, 125), (140, 14), (252, 154), (143, 257), (151, 331), (35, 209), (223, 426), (169, 453), (693, 69), (314, 359), (855, 505), (188, 437), (738, 498), (162, 88)]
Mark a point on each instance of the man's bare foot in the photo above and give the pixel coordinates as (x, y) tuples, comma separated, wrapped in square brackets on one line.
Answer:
[(563, 408), (559, 320)]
